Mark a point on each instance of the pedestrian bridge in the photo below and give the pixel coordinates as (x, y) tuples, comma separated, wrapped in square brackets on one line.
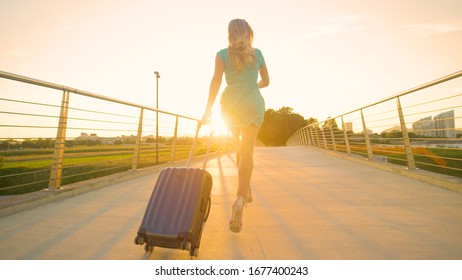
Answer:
[(308, 204), (380, 182)]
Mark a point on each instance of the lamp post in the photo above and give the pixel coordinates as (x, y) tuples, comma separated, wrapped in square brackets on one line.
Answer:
[(157, 116)]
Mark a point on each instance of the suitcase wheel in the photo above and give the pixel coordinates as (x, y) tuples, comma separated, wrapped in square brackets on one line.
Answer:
[(139, 239), (185, 245), (194, 252), (148, 247)]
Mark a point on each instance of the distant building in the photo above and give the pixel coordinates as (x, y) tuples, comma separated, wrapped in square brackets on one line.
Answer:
[(424, 127), (86, 136), (392, 129), (348, 126), (125, 139), (445, 125), (441, 126), (95, 137)]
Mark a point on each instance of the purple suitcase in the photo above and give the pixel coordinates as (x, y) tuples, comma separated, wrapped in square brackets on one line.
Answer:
[(178, 209)]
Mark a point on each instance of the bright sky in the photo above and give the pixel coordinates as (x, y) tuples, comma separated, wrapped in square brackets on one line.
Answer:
[(324, 57)]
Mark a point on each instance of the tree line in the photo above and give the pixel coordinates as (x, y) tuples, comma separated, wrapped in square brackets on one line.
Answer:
[(279, 125)]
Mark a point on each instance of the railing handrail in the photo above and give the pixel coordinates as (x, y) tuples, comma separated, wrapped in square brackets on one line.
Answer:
[(434, 146), (58, 164), (41, 83), (406, 92), (403, 93)]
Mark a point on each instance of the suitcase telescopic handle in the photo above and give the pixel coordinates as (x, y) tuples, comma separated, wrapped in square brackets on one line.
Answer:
[(209, 204), (193, 148)]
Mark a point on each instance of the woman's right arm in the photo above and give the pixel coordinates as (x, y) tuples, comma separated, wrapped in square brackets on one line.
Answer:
[(214, 87)]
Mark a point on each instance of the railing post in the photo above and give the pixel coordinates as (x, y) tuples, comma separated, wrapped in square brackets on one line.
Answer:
[(157, 136), (303, 138), (58, 154), (307, 136), (193, 148), (307, 133), (136, 155), (175, 135), (316, 127), (370, 155), (324, 138), (407, 141), (310, 134), (209, 146), (345, 135), (333, 138), (313, 136)]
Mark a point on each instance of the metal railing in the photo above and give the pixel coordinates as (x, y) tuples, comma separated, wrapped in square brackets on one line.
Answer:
[(48, 140), (418, 128)]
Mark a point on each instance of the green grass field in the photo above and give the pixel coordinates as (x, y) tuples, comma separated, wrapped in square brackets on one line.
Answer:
[(23, 171), (438, 160)]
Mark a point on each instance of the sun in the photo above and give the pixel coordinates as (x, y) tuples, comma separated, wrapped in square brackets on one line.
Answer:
[(217, 122)]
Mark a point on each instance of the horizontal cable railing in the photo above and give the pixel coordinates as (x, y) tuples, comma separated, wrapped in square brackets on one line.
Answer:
[(418, 128), (48, 140)]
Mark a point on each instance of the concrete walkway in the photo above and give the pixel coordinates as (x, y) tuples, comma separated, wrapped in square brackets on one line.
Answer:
[(307, 205)]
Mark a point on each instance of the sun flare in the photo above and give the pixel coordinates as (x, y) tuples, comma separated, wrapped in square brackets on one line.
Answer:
[(217, 121)]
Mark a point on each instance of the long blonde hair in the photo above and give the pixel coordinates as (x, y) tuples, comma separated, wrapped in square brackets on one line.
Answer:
[(240, 36)]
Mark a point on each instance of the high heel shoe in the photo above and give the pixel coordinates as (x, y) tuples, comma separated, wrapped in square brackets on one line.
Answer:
[(235, 224)]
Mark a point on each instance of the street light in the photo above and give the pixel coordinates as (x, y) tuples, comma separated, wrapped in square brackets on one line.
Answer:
[(157, 116)]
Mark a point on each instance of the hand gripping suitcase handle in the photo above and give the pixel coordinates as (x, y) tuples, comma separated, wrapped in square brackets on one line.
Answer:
[(193, 148)]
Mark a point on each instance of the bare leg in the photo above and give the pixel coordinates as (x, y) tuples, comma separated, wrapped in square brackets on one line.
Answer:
[(245, 156), (244, 160)]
